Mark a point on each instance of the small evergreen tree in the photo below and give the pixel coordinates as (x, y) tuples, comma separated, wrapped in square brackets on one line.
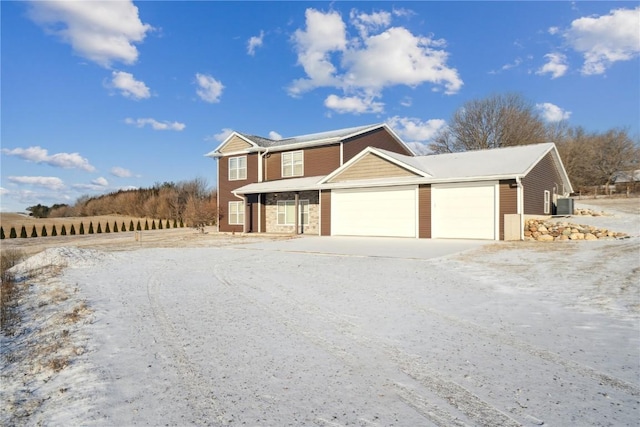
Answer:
[(91, 227), (125, 228), (44, 232), (146, 224), (159, 224), (153, 224), (73, 229), (1, 233), (99, 230), (63, 231), (168, 224), (106, 228), (54, 232), (34, 233), (138, 227), (23, 232), (82, 228), (115, 227), (181, 223), (12, 233), (175, 223)]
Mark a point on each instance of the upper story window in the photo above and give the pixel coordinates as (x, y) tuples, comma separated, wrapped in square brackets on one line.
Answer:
[(237, 168), (292, 164)]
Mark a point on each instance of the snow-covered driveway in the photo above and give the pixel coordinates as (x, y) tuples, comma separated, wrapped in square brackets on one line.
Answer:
[(283, 333)]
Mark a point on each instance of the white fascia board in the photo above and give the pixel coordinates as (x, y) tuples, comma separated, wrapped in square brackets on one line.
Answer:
[(378, 153), (217, 153), (370, 183)]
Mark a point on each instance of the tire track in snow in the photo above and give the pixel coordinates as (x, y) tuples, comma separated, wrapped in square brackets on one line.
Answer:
[(479, 411), (169, 338)]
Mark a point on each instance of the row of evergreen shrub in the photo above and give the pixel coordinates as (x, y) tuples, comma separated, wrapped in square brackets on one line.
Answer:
[(107, 229)]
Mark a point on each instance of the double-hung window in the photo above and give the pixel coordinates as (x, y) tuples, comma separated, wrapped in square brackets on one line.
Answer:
[(292, 164), (237, 168), (287, 212), (236, 213), (547, 202)]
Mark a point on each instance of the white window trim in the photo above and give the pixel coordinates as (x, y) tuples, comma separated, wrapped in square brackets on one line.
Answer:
[(304, 205), (290, 155), (238, 212), (239, 176), (547, 202)]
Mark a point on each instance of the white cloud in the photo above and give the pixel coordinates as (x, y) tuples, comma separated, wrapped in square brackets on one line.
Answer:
[(364, 65), (100, 31), (255, 42), (415, 130), (101, 181), (554, 30), (552, 113), (128, 86), (210, 89), (4, 191), (275, 135), (353, 104), (40, 155), (155, 125), (221, 136), (120, 172), (49, 182), (556, 65), (606, 39)]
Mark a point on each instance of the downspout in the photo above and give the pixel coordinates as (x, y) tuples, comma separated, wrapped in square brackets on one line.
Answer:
[(520, 205), (296, 212)]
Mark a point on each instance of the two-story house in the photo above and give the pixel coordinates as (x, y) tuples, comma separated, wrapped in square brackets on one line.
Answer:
[(366, 181)]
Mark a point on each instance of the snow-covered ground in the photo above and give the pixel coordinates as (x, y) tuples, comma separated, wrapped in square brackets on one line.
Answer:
[(332, 331)]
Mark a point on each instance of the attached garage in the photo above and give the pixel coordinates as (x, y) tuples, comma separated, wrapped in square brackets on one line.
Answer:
[(465, 211), (385, 211)]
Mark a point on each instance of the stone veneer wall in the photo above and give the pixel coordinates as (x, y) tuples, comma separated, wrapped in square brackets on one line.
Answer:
[(271, 213)]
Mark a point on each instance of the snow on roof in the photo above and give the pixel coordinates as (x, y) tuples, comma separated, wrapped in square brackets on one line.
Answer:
[(324, 137), (291, 184), (507, 161)]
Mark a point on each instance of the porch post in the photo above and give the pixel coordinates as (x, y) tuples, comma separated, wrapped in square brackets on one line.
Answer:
[(297, 213)]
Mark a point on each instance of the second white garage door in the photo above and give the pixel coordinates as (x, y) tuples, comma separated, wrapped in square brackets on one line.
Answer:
[(388, 211), (464, 211)]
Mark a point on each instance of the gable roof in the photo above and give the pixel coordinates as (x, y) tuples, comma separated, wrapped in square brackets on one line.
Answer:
[(499, 163), (260, 143)]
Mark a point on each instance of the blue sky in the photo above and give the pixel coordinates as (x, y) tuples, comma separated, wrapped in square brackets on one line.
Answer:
[(98, 97)]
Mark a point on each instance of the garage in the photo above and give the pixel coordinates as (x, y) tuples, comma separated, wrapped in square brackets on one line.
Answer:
[(465, 211), (387, 211)]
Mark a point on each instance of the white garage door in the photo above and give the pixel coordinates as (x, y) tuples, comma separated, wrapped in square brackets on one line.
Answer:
[(388, 211), (464, 211)]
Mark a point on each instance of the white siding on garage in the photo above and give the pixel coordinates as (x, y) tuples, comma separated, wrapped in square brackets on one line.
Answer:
[(388, 211), (465, 211)]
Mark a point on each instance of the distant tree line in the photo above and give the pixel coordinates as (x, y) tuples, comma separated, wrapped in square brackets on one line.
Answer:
[(591, 159), (191, 202)]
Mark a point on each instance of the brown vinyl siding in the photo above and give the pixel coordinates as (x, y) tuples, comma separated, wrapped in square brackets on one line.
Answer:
[(378, 138), (543, 176), (371, 166), (225, 187), (424, 211), (325, 213), (508, 201), (235, 144), (316, 162)]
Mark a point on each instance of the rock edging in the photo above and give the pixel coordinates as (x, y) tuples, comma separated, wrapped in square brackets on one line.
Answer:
[(548, 231)]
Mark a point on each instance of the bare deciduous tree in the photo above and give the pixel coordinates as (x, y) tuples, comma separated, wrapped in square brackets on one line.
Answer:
[(492, 122)]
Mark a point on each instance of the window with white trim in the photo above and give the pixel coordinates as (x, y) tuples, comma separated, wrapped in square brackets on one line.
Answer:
[(237, 168), (547, 202), (236, 213), (292, 164), (287, 212)]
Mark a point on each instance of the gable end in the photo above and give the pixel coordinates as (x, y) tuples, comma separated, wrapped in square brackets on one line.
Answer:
[(371, 166), (234, 144)]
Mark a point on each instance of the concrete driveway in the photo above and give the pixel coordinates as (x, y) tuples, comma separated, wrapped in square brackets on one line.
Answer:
[(384, 247)]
